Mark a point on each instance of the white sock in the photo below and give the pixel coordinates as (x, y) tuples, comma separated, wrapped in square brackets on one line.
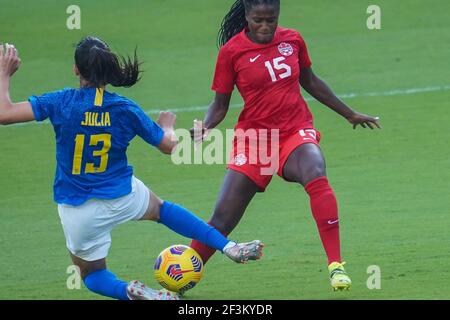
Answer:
[(229, 245)]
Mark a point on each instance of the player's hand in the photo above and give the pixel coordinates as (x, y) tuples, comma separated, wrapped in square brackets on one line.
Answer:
[(364, 120), (9, 60), (166, 119), (199, 132)]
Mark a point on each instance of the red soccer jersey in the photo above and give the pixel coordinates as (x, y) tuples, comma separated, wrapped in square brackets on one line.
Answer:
[(267, 77)]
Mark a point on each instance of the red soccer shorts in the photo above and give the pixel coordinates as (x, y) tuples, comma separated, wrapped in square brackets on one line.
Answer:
[(259, 155)]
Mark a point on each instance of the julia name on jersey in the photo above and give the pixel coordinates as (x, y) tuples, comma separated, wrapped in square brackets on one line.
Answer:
[(96, 119)]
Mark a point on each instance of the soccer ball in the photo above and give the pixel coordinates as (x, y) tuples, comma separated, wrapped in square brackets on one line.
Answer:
[(178, 268)]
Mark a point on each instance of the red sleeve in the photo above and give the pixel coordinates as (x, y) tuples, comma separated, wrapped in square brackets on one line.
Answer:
[(224, 76), (303, 57)]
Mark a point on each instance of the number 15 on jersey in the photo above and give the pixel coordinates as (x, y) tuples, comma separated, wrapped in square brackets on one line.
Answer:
[(278, 66)]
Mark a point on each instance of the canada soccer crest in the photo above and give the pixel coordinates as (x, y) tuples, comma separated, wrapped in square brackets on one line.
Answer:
[(240, 159), (285, 49)]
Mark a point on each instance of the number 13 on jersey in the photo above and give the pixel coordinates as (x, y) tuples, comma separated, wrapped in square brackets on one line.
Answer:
[(103, 153)]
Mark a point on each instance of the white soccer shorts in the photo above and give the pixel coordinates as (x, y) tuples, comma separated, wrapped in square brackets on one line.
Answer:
[(88, 227)]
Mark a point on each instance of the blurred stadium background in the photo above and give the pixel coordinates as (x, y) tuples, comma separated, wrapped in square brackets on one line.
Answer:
[(392, 185)]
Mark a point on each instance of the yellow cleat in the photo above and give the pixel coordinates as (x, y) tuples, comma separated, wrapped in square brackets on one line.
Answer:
[(338, 277)]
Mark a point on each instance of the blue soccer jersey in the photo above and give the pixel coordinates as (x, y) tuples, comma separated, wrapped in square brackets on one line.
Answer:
[(93, 129)]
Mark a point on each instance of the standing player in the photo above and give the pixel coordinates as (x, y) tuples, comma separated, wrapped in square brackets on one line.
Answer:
[(94, 187), (268, 64)]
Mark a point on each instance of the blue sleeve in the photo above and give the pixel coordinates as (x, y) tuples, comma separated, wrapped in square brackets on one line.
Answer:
[(145, 127), (46, 105)]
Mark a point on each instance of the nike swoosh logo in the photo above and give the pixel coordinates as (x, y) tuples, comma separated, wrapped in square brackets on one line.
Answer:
[(176, 272), (332, 222), (255, 58)]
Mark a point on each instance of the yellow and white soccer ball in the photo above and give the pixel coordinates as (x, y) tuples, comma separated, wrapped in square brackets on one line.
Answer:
[(178, 268)]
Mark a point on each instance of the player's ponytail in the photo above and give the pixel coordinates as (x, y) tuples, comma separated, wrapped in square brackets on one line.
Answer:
[(235, 21), (99, 66)]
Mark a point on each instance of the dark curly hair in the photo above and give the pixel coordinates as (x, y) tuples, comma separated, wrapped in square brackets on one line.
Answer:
[(234, 22)]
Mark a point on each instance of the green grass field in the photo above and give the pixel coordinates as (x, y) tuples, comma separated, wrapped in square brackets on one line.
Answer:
[(392, 185)]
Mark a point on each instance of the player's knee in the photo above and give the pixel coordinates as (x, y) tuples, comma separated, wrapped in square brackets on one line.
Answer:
[(312, 172), (82, 270), (305, 174), (155, 212), (154, 208)]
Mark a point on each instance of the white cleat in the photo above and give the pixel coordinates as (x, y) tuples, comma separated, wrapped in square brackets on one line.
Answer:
[(338, 277), (242, 252), (138, 291)]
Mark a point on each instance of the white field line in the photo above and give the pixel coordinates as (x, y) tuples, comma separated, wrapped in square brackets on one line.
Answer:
[(395, 92)]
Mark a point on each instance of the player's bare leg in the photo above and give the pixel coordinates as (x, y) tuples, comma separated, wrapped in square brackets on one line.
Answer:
[(236, 193), (153, 209), (305, 164), (87, 267)]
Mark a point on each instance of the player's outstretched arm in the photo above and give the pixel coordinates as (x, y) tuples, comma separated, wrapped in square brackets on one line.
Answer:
[(166, 121), (322, 92), (11, 112), (216, 113)]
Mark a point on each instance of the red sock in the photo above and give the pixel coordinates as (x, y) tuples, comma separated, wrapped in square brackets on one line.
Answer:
[(325, 211), (203, 250)]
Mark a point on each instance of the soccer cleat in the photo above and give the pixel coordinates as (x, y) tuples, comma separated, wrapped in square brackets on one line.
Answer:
[(338, 277), (242, 252), (138, 291)]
